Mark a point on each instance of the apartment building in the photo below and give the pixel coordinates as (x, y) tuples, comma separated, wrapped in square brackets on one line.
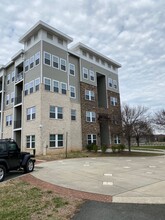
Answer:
[(53, 97)]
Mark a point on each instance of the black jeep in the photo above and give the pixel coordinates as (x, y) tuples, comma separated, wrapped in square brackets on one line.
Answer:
[(12, 159)]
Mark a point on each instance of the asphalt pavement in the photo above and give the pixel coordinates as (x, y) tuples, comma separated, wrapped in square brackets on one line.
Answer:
[(92, 210)]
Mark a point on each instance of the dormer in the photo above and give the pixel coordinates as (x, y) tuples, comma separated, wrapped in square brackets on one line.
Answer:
[(42, 31)]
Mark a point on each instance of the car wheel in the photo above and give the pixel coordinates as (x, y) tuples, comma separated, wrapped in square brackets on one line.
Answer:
[(29, 166), (2, 173)]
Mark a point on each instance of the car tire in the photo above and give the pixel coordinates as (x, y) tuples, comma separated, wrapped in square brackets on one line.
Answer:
[(29, 166), (2, 173)]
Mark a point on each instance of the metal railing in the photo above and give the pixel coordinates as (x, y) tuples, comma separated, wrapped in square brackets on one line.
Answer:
[(19, 77), (17, 124)]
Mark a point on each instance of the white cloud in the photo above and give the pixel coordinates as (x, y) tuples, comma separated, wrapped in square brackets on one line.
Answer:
[(131, 32)]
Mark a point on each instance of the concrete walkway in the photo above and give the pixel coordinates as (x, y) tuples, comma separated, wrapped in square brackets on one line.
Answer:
[(126, 179)]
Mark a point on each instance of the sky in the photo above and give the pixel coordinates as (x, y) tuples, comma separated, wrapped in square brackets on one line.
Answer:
[(131, 32)]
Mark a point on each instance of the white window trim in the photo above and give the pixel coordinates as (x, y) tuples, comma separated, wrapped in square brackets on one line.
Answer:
[(8, 120), (26, 64), (37, 56), (115, 84), (58, 62), (62, 59), (30, 147), (73, 87), (56, 112), (90, 116), (13, 76), (12, 97), (71, 112), (84, 69), (36, 83), (61, 87), (92, 139), (31, 61), (7, 98), (45, 78), (89, 93), (56, 141), (8, 79), (45, 56), (71, 64), (92, 73), (58, 86), (110, 81), (32, 111), (113, 101)]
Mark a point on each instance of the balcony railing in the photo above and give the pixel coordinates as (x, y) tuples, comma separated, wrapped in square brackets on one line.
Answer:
[(17, 124), (18, 100), (19, 77)]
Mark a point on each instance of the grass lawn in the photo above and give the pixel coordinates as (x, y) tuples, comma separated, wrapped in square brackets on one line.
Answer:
[(22, 201), (149, 147)]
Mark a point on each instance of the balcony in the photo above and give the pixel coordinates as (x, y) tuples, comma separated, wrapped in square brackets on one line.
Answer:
[(17, 124), (18, 100), (19, 77)]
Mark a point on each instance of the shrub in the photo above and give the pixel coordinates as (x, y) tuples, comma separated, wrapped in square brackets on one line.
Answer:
[(114, 148), (95, 148), (122, 147), (119, 148), (103, 148), (89, 147)]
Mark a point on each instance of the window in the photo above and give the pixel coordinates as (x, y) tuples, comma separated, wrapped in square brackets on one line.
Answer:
[(37, 83), (63, 88), (37, 58), (12, 97), (91, 56), (55, 86), (63, 64), (8, 120), (31, 113), (26, 65), (47, 58), (71, 69), (56, 140), (13, 76), (73, 114), (92, 75), (91, 139), (8, 78), (89, 95), (109, 82), (31, 62), (90, 116), (113, 101), (7, 99), (116, 139), (85, 73), (47, 83), (56, 112), (55, 62), (26, 88), (115, 84), (30, 141), (84, 53), (31, 87), (72, 92)]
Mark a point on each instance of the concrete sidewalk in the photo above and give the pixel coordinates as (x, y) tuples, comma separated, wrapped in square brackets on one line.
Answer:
[(126, 179)]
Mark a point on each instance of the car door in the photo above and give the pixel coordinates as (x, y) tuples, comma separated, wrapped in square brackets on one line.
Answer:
[(13, 155)]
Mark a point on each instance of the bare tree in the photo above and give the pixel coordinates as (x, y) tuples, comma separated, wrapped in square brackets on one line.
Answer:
[(130, 116), (142, 129), (159, 119)]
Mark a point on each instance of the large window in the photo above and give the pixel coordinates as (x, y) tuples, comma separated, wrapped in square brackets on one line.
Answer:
[(31, 87), (72, 92), (47, 83), (56, 112), (91, 139), (8, 120), (115, 84), (92, 75), (113, 101), (55, 86), (31, 113), (63, 64), (71, 69), (55, 62), (37, 58), (85, 73), (63, 88), (47, 58), (30, 141), (89, 95), (90, 116), (73, 114), (56, 140)]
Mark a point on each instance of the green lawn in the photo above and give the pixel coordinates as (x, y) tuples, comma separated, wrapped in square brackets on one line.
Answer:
[(22, 201), (149, 147)]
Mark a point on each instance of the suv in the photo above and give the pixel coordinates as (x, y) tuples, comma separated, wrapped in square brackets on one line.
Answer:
[(12, 159)]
